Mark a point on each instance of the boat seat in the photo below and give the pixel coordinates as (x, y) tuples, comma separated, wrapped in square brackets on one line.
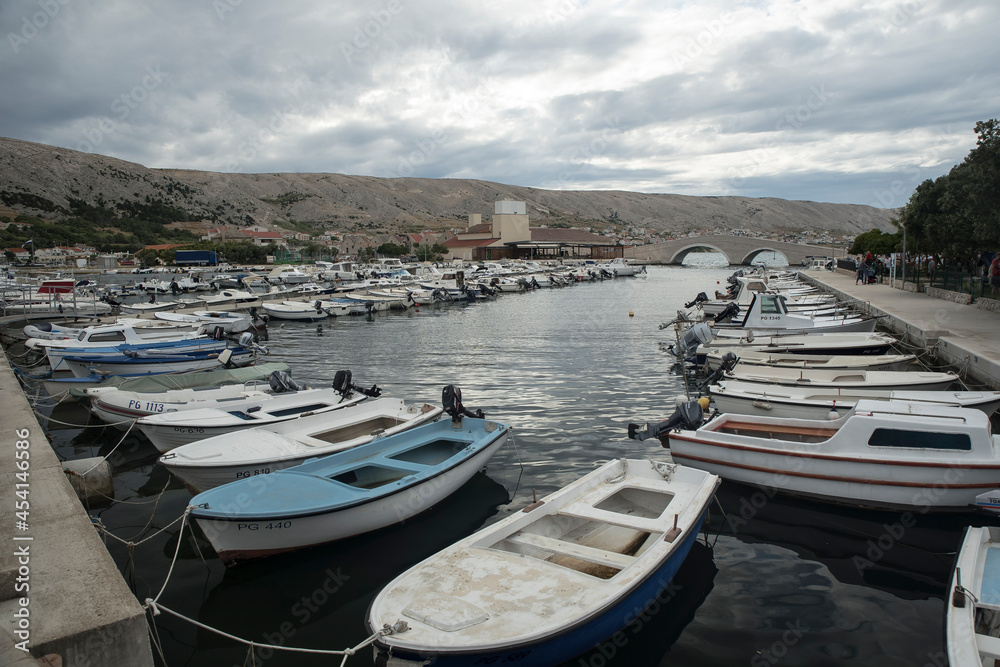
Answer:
[(578, 551), (988, 646)]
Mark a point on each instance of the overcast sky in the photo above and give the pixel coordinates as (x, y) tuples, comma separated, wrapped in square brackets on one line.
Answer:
[(853, 101)]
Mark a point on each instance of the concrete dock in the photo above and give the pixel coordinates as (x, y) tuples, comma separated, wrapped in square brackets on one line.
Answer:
[(964, 336), (60, 591)]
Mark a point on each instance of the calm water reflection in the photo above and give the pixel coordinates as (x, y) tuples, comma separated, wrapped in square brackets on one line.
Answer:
[(787, 582)]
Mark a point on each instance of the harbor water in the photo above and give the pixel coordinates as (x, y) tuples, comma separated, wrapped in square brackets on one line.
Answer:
[(776, 581)]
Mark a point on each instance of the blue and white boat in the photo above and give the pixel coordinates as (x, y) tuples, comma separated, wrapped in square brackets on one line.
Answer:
[(551, 581), (137, 363), (349, 493), (972, 619), (57, 354)]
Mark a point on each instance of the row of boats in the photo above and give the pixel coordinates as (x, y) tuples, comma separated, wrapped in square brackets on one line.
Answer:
[(277, 466), (805, 399)]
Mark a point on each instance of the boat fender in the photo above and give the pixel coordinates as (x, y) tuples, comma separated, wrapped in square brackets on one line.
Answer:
[(833, 414)]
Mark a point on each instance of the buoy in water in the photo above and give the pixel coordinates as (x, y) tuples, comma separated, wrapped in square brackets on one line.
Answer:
[(631, 314)]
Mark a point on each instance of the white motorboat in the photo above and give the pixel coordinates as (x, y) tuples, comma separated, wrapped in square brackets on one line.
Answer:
[(371, 486), (168, 429), (761, 357), (972, 616), (849, 343), (287, 275), (148, 307), (547, 583), (844, 379), (227, 296), (154, 363), (211, 320), (295, 310), (753, 398), (342, 307), (120, 407), (619, 267), (883, 454), (207, 463), (768, 314), (132, 332), (56, 355)]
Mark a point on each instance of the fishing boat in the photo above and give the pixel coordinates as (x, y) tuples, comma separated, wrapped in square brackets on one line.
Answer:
[(135, 332), (229, 322), (371, 486), (168, 429), (867, 362), (56, 355), (291, 310), (836, 343), (753, 398), (138, 363), (120, 407), (549, 582), (882, 454), (972, 618), (768, 314), (151, 307), (139, 387), (854, 379), (204, 464)]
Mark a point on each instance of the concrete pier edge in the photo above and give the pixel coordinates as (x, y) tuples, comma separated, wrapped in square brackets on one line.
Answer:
[(79, 606)]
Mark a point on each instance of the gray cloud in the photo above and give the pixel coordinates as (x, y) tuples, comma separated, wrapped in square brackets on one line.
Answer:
[(799, 100)]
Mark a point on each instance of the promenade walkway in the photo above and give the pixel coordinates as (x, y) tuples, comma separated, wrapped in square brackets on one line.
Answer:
[(966, 337)]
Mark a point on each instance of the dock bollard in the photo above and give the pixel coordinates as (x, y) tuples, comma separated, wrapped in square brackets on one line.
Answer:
[(91, 479)]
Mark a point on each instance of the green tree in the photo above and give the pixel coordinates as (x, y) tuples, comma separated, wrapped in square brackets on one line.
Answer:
[(392, 250)]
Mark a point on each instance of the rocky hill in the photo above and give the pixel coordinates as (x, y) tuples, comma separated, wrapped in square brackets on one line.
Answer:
[(45, 181)]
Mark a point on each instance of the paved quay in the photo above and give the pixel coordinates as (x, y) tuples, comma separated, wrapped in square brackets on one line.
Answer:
[(964, 336), (60, 591)]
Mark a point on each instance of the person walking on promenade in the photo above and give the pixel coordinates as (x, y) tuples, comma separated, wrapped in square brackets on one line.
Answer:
[(931, 270), (995, 276), (862, 273)]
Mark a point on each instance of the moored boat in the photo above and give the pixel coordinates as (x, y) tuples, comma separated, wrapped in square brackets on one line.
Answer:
[(972, 618), (550, 582), (753, 398), (846, 378), (210, 462), (371, 486), (882, 454)]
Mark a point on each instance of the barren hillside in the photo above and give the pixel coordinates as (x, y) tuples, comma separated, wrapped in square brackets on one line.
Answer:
[(41, 180)]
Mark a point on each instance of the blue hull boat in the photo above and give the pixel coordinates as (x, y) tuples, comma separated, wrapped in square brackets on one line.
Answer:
[(362, 489), (552, 581)]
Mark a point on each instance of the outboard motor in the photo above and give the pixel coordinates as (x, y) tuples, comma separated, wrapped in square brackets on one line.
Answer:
[(280, 382), (729, 361), (728, 313), (318, 305), (699, 334), (342, 385), (451, 399), (688, 415), (702, 297)]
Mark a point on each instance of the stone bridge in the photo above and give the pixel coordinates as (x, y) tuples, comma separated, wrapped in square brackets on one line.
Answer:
[(739, 250)]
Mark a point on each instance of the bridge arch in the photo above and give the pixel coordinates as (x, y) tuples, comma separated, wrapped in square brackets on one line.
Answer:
[(681, 253), (736, 249), (752, 255)]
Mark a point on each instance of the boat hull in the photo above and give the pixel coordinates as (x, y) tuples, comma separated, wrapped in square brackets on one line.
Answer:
[(247, 537)]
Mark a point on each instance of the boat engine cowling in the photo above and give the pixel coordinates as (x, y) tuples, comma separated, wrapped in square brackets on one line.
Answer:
[(343, 385), (451, 400), (688, 415), (702, 297), (282, 382), (699, 334), (728, 313)]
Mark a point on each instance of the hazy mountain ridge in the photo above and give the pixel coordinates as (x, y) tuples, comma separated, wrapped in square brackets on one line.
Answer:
[(41, 180)]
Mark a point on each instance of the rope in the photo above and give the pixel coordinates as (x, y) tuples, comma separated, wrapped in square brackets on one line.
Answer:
[(400, 626), (101, 528)]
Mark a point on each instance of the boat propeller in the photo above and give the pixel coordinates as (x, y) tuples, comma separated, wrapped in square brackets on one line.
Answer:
[(342, 385), (451, 399)]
